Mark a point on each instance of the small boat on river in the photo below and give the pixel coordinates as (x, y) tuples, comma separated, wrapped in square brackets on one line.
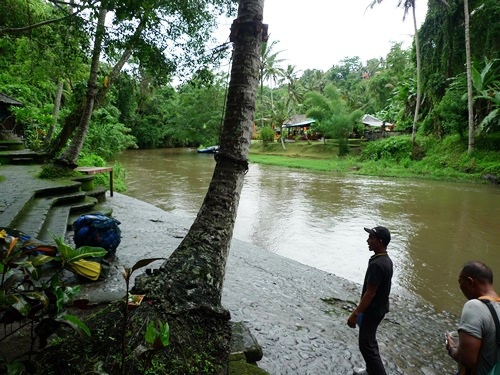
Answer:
[(208, 150)]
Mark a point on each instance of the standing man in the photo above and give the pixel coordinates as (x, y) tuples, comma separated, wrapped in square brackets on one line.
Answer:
[(374, 303), (476, 350)]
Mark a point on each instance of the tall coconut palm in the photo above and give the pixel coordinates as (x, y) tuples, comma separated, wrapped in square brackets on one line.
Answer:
[(407, 5), (468, 63), (269, 70), (295, 94), (187, 291)]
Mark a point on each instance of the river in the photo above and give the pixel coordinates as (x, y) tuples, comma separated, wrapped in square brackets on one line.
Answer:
[(317, 218)]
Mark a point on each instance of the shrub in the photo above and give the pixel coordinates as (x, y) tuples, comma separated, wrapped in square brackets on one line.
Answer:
[(392, 148), (266, 134)]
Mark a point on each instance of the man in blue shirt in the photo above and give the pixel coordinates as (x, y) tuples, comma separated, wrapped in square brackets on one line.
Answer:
[(374, 303)]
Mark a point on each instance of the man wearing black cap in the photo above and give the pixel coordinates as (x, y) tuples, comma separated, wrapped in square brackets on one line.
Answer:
[(374, 303)]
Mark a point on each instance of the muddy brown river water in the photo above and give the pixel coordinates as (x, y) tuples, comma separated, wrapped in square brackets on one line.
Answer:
[(317, 218)]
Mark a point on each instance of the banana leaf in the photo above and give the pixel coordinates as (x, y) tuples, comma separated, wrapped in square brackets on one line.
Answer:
[(88, 269), (69, 255)]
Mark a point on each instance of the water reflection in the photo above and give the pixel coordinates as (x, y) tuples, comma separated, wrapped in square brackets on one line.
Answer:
[(317, 218)]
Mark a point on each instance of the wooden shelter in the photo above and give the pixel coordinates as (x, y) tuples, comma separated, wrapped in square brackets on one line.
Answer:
[(298, 126), (8, 124)]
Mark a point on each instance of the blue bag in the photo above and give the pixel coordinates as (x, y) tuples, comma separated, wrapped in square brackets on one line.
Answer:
[(97, 230)]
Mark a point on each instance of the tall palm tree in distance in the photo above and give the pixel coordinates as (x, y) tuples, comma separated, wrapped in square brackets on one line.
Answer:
[(407, 5), (468, 67), (269, 70)]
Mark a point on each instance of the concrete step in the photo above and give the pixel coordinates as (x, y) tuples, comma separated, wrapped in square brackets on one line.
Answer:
[(22, 156), (22, 197), (43, 206), (34, 215), (58, 216), (23, 161)]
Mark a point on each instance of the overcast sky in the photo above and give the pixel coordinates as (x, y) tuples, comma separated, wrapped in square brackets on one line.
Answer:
[(316, 34)]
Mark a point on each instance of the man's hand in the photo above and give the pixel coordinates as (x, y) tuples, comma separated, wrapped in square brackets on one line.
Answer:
[(353, 318)]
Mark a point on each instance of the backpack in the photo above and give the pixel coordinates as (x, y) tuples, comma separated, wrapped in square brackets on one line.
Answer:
[(496, 369), (97, 230)]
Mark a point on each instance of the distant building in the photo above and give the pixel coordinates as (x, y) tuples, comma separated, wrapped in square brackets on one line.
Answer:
[(7, 118), (298, 126), (376, 128)]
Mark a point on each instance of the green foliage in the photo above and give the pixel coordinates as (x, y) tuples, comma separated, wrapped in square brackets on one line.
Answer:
[(107, 137), (488, 142), (266, 134), (31, 292), (52, 171), (392, 148), (487, 95), (449, 116), (157, 335), (333, 117)]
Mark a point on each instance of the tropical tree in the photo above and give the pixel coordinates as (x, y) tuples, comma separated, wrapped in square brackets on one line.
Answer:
[(407, 5), (195, 116), (333, 118), (468, 68), (269, 70), (39, 65), (313, 80), (135, 32), (186, 293), (294, 89), (71, 154)]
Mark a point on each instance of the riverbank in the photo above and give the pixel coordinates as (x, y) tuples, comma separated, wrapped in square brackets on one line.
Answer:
[(391, 157), (297, 313)]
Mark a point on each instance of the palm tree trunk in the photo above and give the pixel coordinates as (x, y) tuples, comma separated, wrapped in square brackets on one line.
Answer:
[(187, 291), (470, 103), (417, 104)]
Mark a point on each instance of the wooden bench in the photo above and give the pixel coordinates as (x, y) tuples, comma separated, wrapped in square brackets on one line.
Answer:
[(96, 170)]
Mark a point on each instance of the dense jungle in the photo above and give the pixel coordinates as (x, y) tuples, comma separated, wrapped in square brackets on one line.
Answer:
[(46, 58)]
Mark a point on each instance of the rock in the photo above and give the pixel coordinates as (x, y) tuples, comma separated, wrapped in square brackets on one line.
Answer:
[(492, 178), (242, 341)]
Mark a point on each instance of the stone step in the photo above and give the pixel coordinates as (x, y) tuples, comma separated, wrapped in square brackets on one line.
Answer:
[(22, 199), (58, 217), (33, 217), (23, 161), (22, 156), (51, 207)]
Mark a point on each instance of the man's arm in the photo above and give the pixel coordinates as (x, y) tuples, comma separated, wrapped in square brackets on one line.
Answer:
[(467, 352), (371, 290)]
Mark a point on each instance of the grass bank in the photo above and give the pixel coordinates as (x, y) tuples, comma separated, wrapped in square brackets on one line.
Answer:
[(391, 157)]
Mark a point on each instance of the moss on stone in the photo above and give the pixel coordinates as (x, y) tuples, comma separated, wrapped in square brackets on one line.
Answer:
[(241, 367)]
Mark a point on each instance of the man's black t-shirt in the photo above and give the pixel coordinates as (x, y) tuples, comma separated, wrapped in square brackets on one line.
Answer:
[(379, 273)]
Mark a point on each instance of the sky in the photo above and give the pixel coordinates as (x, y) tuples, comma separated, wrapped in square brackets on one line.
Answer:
[(316, 34)]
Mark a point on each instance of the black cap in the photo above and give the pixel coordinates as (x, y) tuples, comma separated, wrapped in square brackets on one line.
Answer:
[(382, 233)]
